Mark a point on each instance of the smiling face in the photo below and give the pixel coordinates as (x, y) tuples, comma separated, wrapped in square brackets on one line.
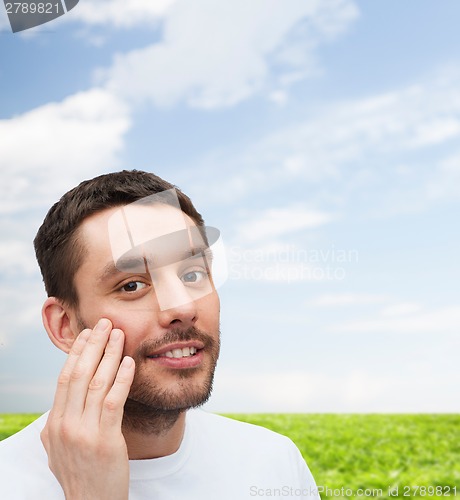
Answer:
[(160, 293)]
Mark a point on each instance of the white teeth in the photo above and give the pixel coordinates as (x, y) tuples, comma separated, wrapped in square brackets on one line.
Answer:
[(177, 353), (181, 353)]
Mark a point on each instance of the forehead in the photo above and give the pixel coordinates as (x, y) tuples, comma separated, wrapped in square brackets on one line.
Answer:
[(116, 231), (136, 228)]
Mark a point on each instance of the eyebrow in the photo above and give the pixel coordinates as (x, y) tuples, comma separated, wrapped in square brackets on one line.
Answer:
[(141, 264), (111, 270)]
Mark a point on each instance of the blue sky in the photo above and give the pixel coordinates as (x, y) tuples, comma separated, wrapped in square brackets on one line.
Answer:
[(321, 137)]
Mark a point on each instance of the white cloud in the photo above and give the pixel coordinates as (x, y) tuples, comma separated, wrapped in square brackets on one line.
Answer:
[(45, 151), (16, 258), (416, 392), (248, 391), (21, 308), (279, 97), (274, 222), (393, 147), (444, 183), (440, 321), (401, 309), (4, 22), (358, 390), (346, 299), (414, 117), (120, 13), (27, 397), (451, 166), (434, 132), (216, 54)]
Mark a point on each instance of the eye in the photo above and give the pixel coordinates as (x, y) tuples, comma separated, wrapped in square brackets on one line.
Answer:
[(194, 276), (133, 286)]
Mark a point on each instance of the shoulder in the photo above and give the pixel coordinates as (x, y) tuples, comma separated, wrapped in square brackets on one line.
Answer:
[(259, 455), (230, 427), (233, 434)]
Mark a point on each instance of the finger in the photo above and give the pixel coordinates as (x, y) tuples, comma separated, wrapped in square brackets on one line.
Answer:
[(86, 367), (114, 402), (104, 377), (60, 396)]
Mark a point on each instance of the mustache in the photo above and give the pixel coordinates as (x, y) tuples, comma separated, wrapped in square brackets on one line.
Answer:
[(175, 335)]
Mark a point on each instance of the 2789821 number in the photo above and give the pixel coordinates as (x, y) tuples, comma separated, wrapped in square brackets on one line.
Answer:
[(32, 8), (422, 491)]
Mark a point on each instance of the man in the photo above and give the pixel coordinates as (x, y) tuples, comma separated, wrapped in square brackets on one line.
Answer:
[(126, 261)]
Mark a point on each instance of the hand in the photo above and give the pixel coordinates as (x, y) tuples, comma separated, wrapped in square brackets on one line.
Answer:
[(86, 449)]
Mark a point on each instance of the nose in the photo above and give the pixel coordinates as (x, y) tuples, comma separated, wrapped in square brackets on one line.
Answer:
[(175, 304), (184, 315)]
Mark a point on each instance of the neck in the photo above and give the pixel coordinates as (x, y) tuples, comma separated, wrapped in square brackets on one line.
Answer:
[(152, 434)]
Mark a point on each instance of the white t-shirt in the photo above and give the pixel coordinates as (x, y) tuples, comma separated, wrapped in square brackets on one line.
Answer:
[(218, 459)]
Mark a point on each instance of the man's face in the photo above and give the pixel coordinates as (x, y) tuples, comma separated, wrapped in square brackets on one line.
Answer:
[(167, 308)]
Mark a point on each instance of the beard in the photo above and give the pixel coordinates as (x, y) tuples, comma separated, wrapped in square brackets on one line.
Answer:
[(152, 408)]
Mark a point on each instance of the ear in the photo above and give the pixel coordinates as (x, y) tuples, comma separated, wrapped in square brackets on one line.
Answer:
[(57, 322)]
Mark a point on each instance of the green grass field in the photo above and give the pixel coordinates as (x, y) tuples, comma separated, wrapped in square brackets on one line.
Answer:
[(346, 453), (10, 423)]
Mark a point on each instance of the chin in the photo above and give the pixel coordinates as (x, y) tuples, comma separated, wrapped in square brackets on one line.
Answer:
[(189, 390)]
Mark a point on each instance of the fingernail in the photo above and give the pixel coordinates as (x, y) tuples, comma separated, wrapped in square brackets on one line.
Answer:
[(84, 335), (127, 362), (114, 335), (102, 325)]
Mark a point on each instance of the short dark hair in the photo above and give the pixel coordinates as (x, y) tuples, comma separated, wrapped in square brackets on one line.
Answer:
[(58, 249)]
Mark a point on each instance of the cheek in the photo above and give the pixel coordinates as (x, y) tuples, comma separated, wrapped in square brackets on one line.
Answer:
[(132, 323), (209, 310), (92, 308), (135, 327), (134, 330)]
